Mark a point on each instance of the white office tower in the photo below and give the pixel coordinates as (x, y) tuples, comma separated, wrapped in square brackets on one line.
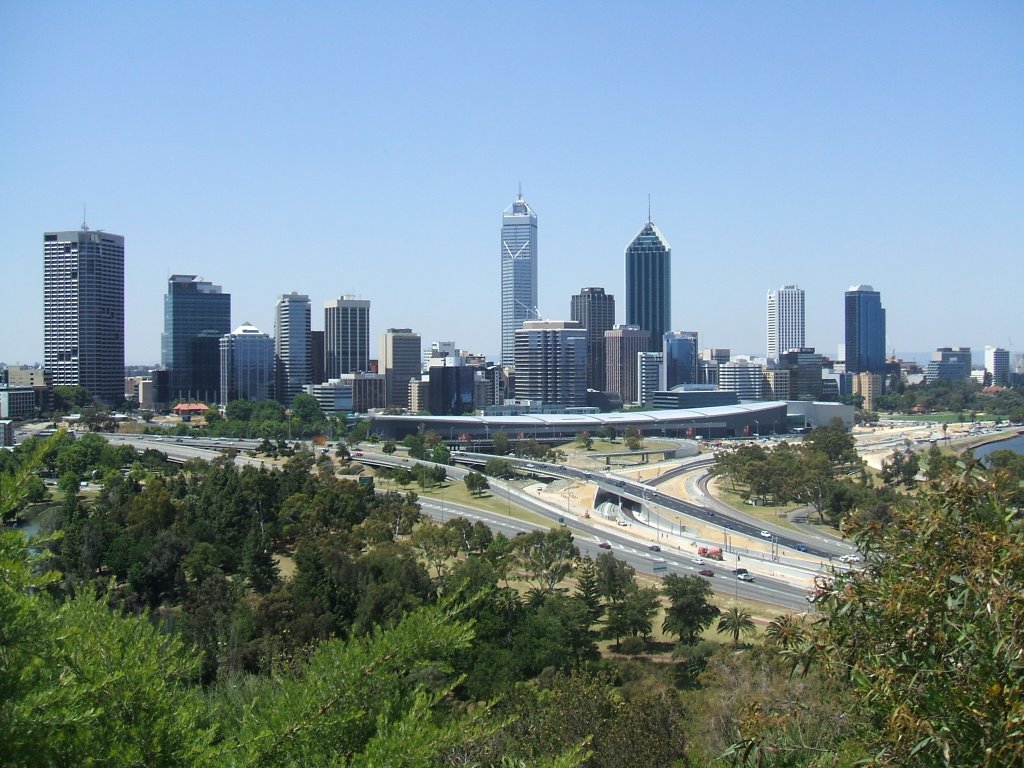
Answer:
[(997, 365), (648, 376), (293, 346), (742, 376), (785, 320), (83, 311), (551, 363), (346, 336), (518, 273)]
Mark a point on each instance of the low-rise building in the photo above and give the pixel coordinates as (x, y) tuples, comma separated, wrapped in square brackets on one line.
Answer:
[(17, 402)]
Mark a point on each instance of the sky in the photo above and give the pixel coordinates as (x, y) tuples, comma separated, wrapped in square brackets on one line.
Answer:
[(369, 150)]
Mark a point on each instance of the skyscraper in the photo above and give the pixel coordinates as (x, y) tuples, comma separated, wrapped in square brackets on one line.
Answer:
[(649, 283), (83, 311), (997, 365), (622, 345), (196, 315), (551, 363), (865, 330), (594, 309), (346, 336), (679, 359), (400, 360), (246, 365), (293, 346), (785, 320), (518, 273)]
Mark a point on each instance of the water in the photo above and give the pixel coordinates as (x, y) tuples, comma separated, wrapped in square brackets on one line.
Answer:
[(1013, 444)]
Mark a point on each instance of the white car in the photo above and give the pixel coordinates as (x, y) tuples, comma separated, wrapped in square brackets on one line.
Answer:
[(850, 559), (765, 535), (698, 561)]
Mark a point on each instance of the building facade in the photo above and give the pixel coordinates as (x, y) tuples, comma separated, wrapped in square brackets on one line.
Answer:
[(865, 330), (350, 393), (293, 346), (649, 283), (518, 274), (679, 357), (785, 320), (805, 367), (346, 336), (451, 387), (742, 376), (949, 364), (246, 365), (83, 311), (648, 376), (997, 365), (621, 346), (196, 315), (594, 310), (551, 363), (400, 351)]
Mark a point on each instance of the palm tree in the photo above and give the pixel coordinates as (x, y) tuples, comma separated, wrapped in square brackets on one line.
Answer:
[(785, 631), (737, 622)]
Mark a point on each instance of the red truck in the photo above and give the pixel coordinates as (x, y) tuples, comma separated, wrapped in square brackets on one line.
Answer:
[(714, 553)]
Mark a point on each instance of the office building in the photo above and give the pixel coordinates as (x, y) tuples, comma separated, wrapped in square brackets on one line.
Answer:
[(805, 367), (997, 365), (785, 320), (869, 387), (621, 346), (679, 359), (518, 273), (451, 386), (649, 283), (594, 310), (776, 384), (17, 402), (349, 393), (865, 330), (293, 346), (346, 336), (196, 315), (246, 365), (742, 376), (316, 345), (83, 311), (551, 363), (400, 359), (648, 376), (949, 364)]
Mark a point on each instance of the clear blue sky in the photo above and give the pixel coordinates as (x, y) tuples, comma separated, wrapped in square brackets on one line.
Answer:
[(338, 149)]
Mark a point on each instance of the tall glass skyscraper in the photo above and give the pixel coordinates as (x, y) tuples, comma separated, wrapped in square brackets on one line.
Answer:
[(865, 330), (649, 283), (679, 359), (518, 273), (293, 348), (785, 320), (196, 315), (246, 365), (594, 309), (83, 311)]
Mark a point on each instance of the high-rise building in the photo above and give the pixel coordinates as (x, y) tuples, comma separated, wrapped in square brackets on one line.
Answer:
[(949, 364), (594, 309), (679, 359), (648, 376), (621, 346), (785, 320), (865, 330), (246, 365), (316, 345), (518, 273), (742, 376), (83, 311), (293, 346), (997, 365), (804, 366), (346, 336), (450, 389), (649, 283), (196, 315), (551, 363), (400, 359)]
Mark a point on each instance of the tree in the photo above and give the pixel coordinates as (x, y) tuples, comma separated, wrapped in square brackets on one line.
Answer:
[(546, 558), (500, 468), (785, 631), (736, 622), (388, 447), (633, 614), (585, 441), (689, 612), (835, 441), (476, 484), (608, 433), (501, 443), (633, 438), (307, 409)]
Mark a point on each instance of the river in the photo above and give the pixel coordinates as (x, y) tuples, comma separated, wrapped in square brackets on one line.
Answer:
[(1013, 444)]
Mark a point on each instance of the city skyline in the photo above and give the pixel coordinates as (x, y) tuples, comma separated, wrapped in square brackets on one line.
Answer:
[(826, 147)]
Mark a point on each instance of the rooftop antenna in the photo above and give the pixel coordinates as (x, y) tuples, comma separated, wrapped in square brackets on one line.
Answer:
[(648, 207), (520, 189), (84, 226)]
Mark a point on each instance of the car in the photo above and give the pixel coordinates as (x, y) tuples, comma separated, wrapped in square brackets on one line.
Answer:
[(520, 533), (850, 559), (605, 545), (711, 513), (765, 535), (801, 548), (739, 571), (654, 548), (706, 572), (745, 577), (530, 466), (698, 560), (623, 523)]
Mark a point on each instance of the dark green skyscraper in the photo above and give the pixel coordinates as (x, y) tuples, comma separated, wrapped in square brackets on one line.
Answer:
[(649, 283)]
